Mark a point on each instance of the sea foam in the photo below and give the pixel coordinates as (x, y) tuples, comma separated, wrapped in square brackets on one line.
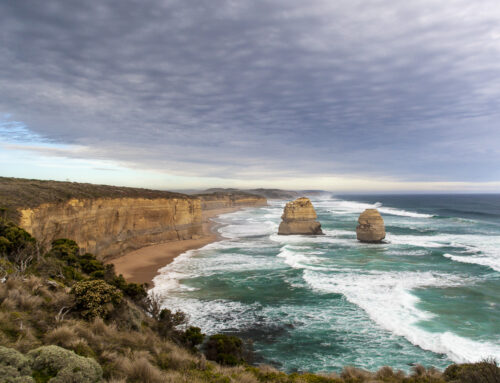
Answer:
[(352, 207), (335, 263), (386, 297)]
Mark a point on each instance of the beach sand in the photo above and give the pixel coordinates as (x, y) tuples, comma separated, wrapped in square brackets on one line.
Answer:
[(142, 265)]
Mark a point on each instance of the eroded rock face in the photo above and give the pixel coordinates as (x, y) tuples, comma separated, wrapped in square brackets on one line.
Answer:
[(371, 226), (112, 227), (299, 217), (221, 200)]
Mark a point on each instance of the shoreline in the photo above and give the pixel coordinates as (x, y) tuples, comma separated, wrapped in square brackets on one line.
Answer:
[(142, 265)]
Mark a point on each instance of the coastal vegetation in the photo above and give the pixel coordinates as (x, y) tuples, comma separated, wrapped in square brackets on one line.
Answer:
[(27, 193), (67, 317)]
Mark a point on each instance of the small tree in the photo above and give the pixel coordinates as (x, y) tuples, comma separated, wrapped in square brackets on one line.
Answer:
[(168, 323), (193, 336), (17, 245)]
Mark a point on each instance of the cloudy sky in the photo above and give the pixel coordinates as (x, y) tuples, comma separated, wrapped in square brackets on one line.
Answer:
[(348, 95)]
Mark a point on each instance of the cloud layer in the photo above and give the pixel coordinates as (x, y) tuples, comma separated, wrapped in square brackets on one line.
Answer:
[(257, 89)]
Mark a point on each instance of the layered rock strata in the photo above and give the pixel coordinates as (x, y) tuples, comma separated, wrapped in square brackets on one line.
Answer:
[(108, 220), (371, 227), (221, 200), (112, 227), (299, 217)]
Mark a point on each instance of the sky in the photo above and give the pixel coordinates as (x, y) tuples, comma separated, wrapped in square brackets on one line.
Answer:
[(341, 95)]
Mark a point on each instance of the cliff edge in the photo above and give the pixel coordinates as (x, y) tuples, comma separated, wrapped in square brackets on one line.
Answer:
[(109, 221)]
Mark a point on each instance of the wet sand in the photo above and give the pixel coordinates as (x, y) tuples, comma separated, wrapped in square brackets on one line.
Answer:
[(142, 265)]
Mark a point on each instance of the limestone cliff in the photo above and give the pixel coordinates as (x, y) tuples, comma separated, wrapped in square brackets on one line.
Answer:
[(108, 220), (371, 226), (299, 217), (111, 227), (220, 200)]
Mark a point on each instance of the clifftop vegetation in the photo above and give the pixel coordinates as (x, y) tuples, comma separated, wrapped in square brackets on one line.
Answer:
[(66, 317), (19, 192)]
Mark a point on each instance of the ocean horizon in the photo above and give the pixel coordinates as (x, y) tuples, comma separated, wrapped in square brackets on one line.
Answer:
[(428, 294)]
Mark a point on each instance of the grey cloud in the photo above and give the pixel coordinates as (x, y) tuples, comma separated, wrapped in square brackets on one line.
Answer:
[(242, 88)]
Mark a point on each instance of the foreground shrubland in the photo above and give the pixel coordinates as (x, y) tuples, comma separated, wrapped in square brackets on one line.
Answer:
[(66, 317)]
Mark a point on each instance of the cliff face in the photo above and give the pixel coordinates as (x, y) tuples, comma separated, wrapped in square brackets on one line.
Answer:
[(111, 227), (299, 217), (224, 200), (109, 220)]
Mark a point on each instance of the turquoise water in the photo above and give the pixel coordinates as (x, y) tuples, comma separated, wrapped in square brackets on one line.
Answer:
[(429, 295)]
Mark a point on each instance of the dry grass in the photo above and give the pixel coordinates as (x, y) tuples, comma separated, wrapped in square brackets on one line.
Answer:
[(138, 367), (177, 358), (354, 373), (386, 373)]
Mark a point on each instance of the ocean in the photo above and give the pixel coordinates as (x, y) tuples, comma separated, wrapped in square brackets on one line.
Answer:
[(430, 294)]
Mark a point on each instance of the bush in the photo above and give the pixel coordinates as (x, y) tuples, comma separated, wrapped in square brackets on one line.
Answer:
[(168, 321), (134, 291), (95, 298), (14, 366), (65, 249), (89, 264), (17, 247), (54, 364), (193, 336), (13, 238), (486, 371), (225, 349)]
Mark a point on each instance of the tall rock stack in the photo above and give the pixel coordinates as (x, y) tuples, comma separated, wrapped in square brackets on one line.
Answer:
[(371, 227), (299, 217)]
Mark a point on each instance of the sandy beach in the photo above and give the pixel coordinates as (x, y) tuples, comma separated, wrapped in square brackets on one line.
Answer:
[(142, 265)]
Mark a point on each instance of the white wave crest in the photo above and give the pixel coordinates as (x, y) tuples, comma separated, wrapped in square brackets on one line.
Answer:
[(352, 207), (477, 249), (386, 298), (295, 258), (482, 260)]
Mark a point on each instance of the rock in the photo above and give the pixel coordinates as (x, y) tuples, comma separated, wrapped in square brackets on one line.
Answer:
[(299, 217), (371, 226)]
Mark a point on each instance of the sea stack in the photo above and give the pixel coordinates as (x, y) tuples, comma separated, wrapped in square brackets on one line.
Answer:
[(299, 217), (371, 226)]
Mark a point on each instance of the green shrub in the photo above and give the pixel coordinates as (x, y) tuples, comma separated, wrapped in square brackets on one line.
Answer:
[(486, 371), (193, 336), (95, 298), (65, 246), (134, 291), (89, 264), (54, 364), (17, 248), (14, 366), (13, 238), (225, 349), (6, 267), (65, 249)]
